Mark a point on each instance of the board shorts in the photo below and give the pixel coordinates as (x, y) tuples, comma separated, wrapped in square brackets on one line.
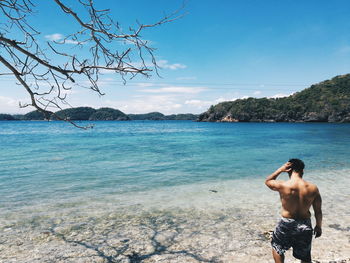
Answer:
[(295, 233)]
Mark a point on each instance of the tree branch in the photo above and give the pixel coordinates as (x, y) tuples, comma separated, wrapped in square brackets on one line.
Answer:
[(48, 69)]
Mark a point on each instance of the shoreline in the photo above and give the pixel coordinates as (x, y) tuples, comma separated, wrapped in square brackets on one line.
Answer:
[(158, 236), (203, 226)]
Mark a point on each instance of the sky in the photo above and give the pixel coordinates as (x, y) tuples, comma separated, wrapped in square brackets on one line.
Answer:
[(218, 51)]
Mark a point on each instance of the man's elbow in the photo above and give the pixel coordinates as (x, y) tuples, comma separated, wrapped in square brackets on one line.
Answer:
[(272, 184)]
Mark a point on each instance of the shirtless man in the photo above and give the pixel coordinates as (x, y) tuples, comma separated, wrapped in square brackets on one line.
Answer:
[(294, 229)]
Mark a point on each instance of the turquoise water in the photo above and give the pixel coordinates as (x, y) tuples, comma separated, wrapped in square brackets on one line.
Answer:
[(162, 191), (53, 160)]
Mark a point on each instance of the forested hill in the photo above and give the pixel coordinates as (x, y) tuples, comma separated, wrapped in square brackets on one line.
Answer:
[(102, 114), (327, 101)]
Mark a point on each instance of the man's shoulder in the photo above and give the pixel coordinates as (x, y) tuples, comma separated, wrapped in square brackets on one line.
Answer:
[(311, 186)]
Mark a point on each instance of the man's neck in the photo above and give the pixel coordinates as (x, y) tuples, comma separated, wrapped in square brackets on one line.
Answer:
[(295, 176)]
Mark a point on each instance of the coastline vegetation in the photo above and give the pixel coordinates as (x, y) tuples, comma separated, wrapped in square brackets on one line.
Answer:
[(102, 114), (327, 101)]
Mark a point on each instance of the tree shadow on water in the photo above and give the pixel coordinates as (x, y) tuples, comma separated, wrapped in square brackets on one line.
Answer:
[(156, 226)]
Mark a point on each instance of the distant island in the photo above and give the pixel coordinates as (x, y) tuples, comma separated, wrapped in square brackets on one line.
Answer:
[(160, 116), (327, 101), (102, 114)]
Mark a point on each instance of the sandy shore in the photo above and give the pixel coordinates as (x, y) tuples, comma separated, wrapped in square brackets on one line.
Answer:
[(190, 223), (232, 235)]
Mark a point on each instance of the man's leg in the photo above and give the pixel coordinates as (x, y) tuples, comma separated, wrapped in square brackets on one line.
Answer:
[(277, 257), (302, 261)]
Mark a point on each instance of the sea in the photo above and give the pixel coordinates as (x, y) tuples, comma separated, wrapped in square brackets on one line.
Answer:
[(163, 191)]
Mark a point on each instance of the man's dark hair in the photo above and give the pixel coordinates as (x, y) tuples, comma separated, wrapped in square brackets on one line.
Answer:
[(297, 165)]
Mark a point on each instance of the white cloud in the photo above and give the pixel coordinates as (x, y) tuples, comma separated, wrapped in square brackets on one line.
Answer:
[(143, 104), (204, 104), (108, 79), (257, 92), (175, 89), (101, 83), (194, 102), (69, 41), (8, 101), (186, 78), (11, 105), (279, 95), (70, 91), (54, 37), (222, 99), (144, 84), (200, 104), (57, 37), (165, 65)]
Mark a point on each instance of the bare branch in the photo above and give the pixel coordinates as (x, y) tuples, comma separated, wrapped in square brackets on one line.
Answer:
[(47, 70)]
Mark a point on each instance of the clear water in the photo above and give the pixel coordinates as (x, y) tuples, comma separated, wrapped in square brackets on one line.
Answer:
[(53, 170), (40, 160)]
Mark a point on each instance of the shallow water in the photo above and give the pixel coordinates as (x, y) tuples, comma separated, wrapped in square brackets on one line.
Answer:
[(166, 191)]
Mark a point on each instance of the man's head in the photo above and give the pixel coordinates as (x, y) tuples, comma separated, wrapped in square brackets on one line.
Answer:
[(297, 166)]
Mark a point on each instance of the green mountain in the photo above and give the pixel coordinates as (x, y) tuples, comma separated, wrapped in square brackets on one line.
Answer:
[(6, 117), (18, 117), (157, 116), (108, 114), (76, 114), (80, 114), (327, 101), (102, 114), (33, 115), (182, 117), (147, 116)]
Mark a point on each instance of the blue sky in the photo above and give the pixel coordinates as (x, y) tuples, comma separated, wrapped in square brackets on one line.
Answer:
[(221, 50)]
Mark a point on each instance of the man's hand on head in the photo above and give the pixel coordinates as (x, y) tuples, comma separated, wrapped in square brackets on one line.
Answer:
[(287, 167), (271, 179)]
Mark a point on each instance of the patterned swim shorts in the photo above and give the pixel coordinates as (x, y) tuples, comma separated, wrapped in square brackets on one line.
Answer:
[(295, 233)]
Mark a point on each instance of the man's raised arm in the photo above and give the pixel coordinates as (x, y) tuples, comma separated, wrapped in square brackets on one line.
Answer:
[(316, 204), (271, 179)]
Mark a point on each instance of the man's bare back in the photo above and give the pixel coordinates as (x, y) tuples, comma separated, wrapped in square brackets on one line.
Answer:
[(297, 196)]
